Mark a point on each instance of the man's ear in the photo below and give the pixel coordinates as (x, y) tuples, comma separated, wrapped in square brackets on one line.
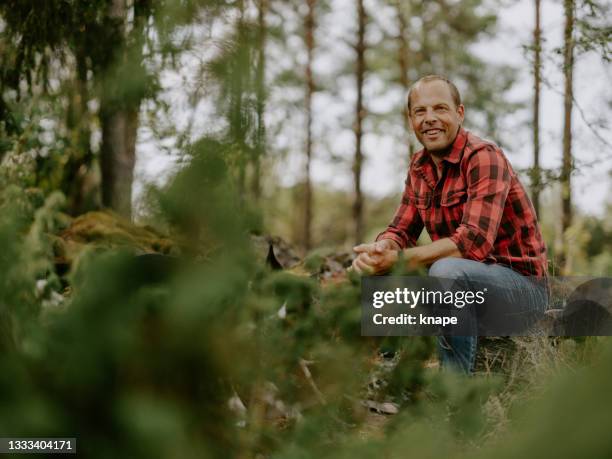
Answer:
[(410, 123), (461, 113)]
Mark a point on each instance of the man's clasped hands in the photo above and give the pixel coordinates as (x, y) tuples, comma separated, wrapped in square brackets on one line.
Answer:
[(379, 257), (376, 258)]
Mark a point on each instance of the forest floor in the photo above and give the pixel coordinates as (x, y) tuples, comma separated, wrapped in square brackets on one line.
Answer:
[(521, 363)]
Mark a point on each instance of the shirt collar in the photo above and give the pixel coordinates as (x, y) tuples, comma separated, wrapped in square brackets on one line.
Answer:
[(458, 145)]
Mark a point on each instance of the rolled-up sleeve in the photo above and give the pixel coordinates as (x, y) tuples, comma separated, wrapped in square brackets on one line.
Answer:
[(406, 226), (488, 184)]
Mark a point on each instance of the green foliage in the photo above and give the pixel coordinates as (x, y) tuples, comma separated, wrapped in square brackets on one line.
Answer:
[(213, 214), (140, 362), (29, 278), (138, 366), (146, 367), (595, 29), (238, 71), (59, 56)]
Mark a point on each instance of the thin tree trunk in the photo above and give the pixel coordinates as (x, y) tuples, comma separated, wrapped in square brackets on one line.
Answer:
[(426, 54), (237, 127), (537, 46), (119, 127), (260, 146), (403, 59), (309, 28), (566, 170), (359, 116)]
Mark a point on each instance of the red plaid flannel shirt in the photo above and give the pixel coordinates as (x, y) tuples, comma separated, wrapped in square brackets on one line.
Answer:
[(478, 203)]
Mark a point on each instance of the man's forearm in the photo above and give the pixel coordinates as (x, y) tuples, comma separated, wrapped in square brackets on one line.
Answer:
[(427, 254)]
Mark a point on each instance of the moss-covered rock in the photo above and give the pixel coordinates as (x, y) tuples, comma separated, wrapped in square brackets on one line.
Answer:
[(107, 230)]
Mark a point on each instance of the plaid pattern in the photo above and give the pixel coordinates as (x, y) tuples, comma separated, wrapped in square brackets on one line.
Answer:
[(478, 203)]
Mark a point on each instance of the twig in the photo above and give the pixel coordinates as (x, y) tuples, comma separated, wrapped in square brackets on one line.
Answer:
[(575, 103), (304, 366)]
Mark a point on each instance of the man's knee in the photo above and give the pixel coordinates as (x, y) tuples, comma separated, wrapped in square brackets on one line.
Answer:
[(454, 268)]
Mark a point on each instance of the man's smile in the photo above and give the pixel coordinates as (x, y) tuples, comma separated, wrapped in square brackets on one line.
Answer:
[(433, 132)]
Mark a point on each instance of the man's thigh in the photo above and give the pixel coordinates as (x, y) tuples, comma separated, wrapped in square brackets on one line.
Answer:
[(513, 301)]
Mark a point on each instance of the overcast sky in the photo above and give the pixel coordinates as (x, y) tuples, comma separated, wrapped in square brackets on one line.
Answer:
[(383, 174)]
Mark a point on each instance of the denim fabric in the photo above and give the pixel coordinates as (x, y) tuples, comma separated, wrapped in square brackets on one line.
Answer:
[(520, 295)]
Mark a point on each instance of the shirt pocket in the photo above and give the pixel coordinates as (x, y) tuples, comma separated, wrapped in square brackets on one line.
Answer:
[(451, 205), (420, 201), (453, 197)]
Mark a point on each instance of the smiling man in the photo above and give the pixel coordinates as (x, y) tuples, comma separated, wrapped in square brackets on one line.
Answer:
[(463, 190)]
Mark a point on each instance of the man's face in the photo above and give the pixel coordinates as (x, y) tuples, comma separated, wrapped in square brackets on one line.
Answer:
[(434, 117)]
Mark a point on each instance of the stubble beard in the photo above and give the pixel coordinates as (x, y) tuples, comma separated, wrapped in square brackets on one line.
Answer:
[(440, 153)]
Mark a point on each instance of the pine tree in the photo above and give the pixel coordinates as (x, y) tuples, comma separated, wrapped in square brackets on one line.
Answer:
[(567, 163), (360, 71), (238, 73), (309, 31), (403, 59), (119, 120), (537, 48), (260, 84)]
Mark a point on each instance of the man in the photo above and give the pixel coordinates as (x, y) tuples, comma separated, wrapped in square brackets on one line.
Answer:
[(478, 215)]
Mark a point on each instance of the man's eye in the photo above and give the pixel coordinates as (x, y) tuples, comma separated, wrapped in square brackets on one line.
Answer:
[(441, 109)]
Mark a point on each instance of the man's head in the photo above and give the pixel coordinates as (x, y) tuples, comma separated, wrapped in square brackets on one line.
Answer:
[(436, 112)]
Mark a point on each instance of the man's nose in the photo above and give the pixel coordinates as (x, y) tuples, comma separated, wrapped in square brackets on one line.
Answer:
[(430, 116)]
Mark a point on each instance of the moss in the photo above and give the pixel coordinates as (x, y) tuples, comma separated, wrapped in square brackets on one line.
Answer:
[(107, 230)]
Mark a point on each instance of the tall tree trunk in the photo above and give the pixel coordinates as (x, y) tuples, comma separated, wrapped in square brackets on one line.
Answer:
[(118, 154), (77, 184), (309, 28), (260, 141), (567, 166), (360, 49), (119, 127), (537, 47), (403, 60)]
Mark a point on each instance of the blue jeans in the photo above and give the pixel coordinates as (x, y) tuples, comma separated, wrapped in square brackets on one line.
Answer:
[(518, 293)]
